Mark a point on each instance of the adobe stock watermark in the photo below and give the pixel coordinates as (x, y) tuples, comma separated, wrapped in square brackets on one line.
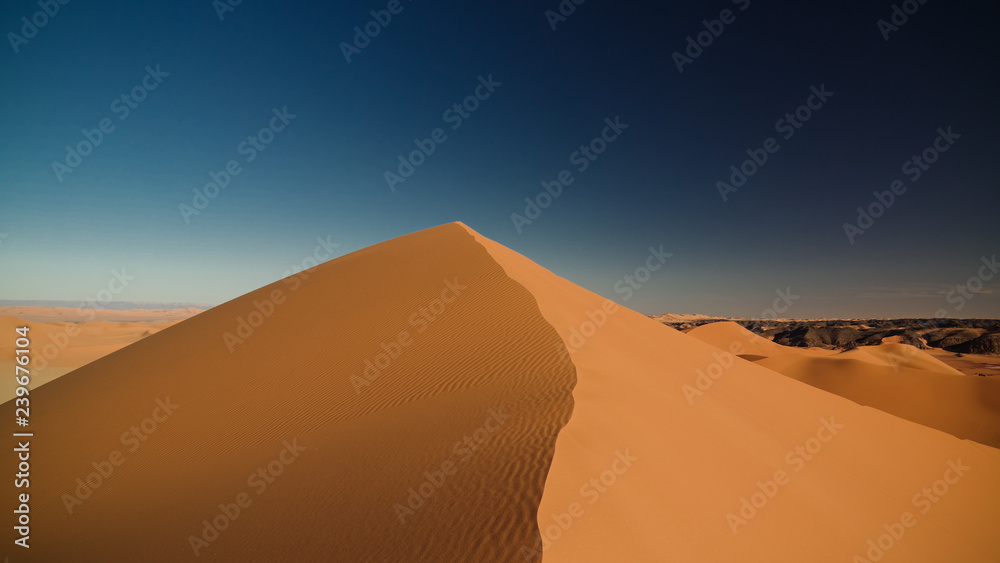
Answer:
[(222, 7), (958, 296), (724, 359), (899, 16), (566, 8), (924, 501), (419, 320), (456, 116), (634, 280), (104, 468), (259, 481), (914, 169), (784, 301), (702, 40), (263, 309), (122, 107), (363, 35), (591, 492), (323, 252), (796, 459), (249, 148), (60, 339), (787, 126), (461, 452), (582, 157), (627, 285), (30, 26), (963, 292), (705, 378)]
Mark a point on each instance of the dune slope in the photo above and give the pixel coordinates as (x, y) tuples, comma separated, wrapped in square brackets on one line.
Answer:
[(723, 334), (60, 346), (896, 378), (437, 452)]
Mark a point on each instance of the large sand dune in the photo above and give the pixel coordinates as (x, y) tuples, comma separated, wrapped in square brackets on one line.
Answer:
[(438, 453), (439, 397)]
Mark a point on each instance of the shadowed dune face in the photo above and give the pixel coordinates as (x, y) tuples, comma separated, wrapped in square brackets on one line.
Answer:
[(60, 346), (892, 377), (438, 452), (963, 406)]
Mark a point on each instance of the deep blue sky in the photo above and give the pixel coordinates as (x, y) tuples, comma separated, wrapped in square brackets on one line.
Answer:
[(322, 176)]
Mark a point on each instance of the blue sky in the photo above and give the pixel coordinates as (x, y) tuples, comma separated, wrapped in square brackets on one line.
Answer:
[(323, 174)]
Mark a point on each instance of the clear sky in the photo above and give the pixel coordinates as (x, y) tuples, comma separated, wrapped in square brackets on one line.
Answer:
[(197, 86)]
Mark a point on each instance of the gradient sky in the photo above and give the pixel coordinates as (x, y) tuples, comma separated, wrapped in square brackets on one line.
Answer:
[(322, 176)]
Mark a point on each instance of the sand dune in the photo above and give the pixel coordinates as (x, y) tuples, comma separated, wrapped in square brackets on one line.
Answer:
[(702, 449), (724, 334), (60, 347), (896, 378), (462, 406), (894, 354), (439, 397)]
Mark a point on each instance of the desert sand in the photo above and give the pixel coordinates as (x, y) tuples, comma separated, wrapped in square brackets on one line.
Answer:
[(439, 397), (62, 346), (463, 405), (704, 448), (85, 314), (968, 364), (893, 377)]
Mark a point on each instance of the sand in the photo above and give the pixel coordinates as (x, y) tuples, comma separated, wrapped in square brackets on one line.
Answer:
[(84, 314), (699, 458), (480, 364), (60, 347), (896, 378), (588, 428), (968, 364)]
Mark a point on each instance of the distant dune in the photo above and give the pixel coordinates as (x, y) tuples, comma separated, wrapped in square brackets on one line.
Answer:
[(724, 333), (439, 397), (896, 378), (682, 318), (78, 314)]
